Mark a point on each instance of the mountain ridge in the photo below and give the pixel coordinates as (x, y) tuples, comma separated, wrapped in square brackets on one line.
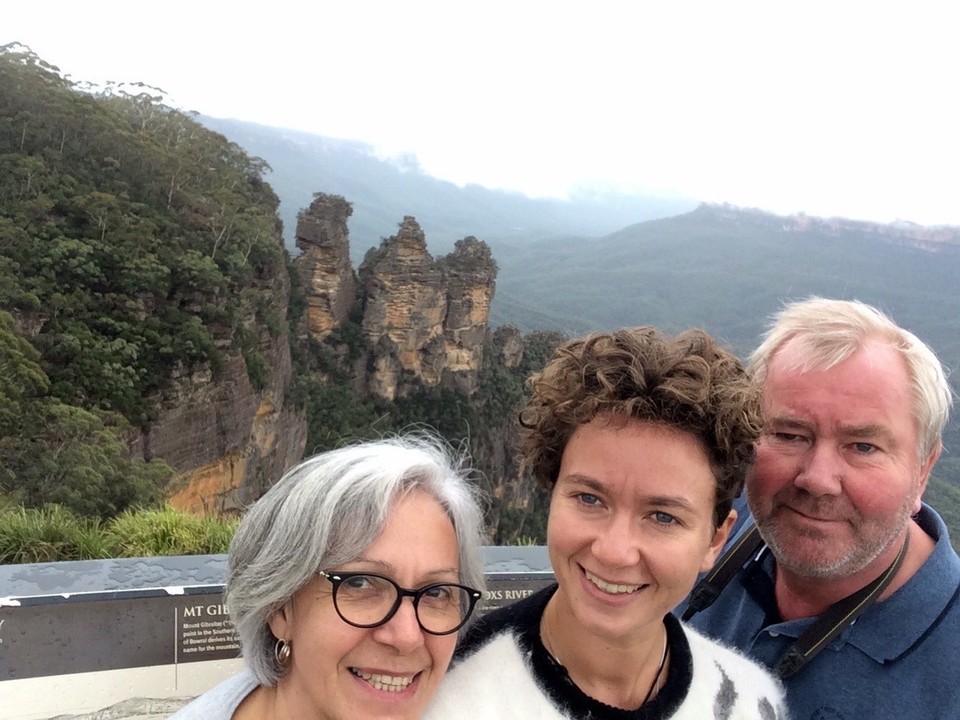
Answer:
[(383, 191)]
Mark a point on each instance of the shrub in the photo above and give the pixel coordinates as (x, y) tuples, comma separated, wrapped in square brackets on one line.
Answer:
[(145, 533), (48, 534)]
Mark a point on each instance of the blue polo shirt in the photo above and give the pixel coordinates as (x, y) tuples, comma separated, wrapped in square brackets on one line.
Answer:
[(900, 660)]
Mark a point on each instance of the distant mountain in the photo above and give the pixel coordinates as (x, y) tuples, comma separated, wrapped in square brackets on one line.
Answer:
[(727, 269), (609, 261), (613, 261), (384, 191)]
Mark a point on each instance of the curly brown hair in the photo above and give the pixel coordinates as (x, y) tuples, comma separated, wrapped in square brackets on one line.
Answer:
[(687, 382)]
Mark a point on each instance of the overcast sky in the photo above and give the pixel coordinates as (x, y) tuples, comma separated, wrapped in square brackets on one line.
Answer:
[(829, 108)]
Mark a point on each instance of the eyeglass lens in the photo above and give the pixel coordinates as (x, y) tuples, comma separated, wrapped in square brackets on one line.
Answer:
[(370, 599)]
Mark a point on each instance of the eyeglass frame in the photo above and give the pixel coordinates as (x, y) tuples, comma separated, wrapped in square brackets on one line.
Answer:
[(337, 578)]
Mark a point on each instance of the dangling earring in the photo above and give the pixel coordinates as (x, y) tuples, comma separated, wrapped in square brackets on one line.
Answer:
[(282, 652)]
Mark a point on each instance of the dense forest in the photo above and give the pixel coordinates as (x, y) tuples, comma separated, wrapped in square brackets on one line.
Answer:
[(136, 247)]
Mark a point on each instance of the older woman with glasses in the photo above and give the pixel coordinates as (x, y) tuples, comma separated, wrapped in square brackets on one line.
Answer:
[(320, 571)]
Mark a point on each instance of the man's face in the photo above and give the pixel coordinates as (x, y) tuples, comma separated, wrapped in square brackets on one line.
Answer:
[(837, 474)]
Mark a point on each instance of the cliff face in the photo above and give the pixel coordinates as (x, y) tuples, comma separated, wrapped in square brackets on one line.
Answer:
[(508, 341), (425, 319), (403, 313), (323, 237), (228, 440)]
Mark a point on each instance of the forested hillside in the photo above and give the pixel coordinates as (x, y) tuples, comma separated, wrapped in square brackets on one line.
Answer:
[(130, 241)]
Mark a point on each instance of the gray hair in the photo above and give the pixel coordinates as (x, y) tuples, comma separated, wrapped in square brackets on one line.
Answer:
[(830, 331), (326, 511)]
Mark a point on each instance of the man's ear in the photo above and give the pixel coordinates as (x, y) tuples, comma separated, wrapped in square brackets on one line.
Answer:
[(720, 537), (925, 469)]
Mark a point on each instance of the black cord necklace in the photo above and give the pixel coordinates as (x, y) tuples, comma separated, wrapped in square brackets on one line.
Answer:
[(654, 685)]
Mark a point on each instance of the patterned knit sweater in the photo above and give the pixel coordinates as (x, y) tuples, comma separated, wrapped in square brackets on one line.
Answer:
[(503, 671)]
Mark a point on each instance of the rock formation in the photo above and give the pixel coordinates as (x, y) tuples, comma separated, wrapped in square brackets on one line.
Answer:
[(469, 273), (403, 313), (323, 237), (424, 323), (508, 341), (425, 319)]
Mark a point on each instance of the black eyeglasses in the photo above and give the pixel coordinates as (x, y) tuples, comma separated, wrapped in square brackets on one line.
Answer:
[(365, 600)]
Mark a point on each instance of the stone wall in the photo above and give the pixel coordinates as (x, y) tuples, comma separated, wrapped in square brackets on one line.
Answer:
[(137, 638)]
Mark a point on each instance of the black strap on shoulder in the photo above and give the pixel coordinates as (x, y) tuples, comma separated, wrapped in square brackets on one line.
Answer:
[(834, 619), (712, 584), (827, 626)]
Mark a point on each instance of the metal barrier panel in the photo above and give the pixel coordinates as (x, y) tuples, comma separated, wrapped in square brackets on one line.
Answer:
[(142, 636)]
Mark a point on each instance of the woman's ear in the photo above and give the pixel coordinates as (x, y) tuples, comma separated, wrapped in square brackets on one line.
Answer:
[(720, 537), (281, 622)]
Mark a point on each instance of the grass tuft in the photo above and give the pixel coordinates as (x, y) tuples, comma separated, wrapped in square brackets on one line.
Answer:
[(53, 533)]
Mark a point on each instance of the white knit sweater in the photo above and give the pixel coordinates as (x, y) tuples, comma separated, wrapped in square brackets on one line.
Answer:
[(504, 675)]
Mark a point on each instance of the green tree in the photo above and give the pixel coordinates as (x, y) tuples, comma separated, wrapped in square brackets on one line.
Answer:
[(75, 458), (21, 378)]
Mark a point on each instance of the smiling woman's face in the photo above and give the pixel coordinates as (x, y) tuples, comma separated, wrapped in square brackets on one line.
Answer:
[(342, 672), (631, 524)]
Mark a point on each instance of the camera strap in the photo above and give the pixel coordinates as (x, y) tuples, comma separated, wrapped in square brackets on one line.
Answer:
[(830, 623)]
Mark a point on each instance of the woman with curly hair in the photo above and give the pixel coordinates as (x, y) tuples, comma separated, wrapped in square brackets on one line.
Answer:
[(643, 442)]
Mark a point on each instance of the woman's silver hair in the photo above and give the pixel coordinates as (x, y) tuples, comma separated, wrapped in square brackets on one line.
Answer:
[(327, 511), (827, 332)]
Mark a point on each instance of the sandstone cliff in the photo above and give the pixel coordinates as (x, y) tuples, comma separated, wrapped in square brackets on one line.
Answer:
[(469, 273), (325, 266), (227, 439), (425, 319), (404, 308), (508, 341)]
